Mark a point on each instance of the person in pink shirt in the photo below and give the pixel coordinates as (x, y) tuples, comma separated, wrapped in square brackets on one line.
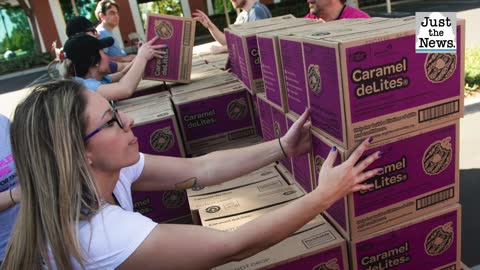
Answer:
[(331, 10)]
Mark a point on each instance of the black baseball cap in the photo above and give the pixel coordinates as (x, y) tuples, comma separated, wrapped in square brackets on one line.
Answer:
[(82, 47), (77, 25)]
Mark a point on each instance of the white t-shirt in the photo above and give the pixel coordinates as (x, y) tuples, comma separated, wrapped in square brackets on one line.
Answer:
[(115, 232)]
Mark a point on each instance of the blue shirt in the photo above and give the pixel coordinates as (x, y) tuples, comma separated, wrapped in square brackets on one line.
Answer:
[(8, 180), (258, 12), (93, 84), (115, 49)]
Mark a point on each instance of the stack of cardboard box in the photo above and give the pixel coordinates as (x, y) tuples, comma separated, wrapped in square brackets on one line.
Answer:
[(366, 81)]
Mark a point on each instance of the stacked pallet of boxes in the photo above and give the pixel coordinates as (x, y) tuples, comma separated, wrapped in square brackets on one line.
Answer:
[(363, 81)]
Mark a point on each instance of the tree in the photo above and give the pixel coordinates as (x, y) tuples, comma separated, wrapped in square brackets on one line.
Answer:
[(28, 10), (170, 7)]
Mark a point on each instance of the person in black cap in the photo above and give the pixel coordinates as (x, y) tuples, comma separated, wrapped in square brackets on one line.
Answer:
[(89, 65), (80, 24)]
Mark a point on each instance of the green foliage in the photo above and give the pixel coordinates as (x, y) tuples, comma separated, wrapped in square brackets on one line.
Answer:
[(472, 68), (218, 6), (21, 36), (85, 8), (169, 7), (24, 62)]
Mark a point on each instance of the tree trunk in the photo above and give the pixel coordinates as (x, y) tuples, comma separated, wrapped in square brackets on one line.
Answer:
[(74, 6), (28, 9)]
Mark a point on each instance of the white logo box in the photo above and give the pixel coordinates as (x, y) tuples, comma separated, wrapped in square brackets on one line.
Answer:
[(373, 84), (244, 50), (421, 175), (314, 246), (214, 116), (431, 241)]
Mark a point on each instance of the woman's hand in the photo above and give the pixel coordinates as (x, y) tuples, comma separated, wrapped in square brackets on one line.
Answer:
[(297, 141), (201, 17), (148, 50), (336, 182)]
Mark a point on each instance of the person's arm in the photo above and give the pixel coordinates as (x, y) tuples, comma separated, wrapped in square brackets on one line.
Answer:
[(6, 200), (206, 248), (127, 85), (126, 58), (166, 173), (216, 33), (125, 67)]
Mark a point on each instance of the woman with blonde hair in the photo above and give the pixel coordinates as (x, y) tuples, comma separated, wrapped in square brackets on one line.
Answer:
[(78, 160)]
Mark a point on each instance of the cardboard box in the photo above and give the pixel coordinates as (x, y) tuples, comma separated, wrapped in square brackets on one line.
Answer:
[(179, 34), (286, 173), (240, 143), (262, 23), (266, 193), (302, 171), (256, 114), (161, 206), (245, 52), (214, 116), (291, 56), (161, 99), (374, 84), (259, 175), (431, 241), (416, 180), (147, 87), (265, 116), (315, 246), (204, 83)]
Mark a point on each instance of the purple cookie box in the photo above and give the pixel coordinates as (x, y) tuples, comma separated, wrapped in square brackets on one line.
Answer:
[(429, 242), (161, 206), (176, 64)]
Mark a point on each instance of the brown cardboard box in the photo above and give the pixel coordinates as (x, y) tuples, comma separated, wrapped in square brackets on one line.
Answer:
[(416, 180), (314, 246), (372, 83), (179, 34), (431, 241)]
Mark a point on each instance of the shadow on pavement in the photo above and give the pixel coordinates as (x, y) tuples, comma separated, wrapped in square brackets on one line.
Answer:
[(469, 194)]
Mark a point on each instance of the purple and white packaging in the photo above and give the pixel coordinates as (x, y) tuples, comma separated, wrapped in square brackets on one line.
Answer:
[(431, 241), (415, 180), (179, 34), (302, 171), (372, 83), (214, 116)]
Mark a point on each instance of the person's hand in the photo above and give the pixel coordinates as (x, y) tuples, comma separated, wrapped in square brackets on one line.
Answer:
[(201, 17), (215, 49), (148, 50), (297, 141), (335, 183)]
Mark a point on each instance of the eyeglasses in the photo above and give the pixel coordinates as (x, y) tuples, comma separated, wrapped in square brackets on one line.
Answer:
[(92, 30), (109, 123)]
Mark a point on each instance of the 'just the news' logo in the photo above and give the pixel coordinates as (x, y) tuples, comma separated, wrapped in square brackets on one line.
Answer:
[(436, 32)]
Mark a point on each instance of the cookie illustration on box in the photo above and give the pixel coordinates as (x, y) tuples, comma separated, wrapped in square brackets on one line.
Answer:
[(173, 198), (438, 156), (163, 29), (439, 239), (314, 79), (330, 265), (237, 109), (440, 66), (162, 139)]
